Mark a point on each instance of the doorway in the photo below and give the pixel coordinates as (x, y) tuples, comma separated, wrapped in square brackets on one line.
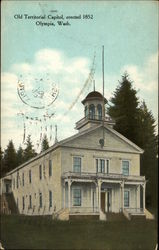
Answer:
[(103, 201)]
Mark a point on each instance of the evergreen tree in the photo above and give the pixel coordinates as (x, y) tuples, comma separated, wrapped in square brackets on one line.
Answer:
[(29, 152), (20, 156), (45, 144), (137, 123), (148, 141), (124, 109), (2, 170), (10, 157)]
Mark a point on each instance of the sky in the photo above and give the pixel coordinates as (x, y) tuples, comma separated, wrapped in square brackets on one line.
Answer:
[(53, 62)]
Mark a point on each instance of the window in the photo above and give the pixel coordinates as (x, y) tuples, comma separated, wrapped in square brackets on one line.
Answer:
[(50, 198), (40, 172), (30, 201), (86, 111), (125, 167), (23, 202), (40, 199), (23, 179), (17, 180), (92, 111), (100, 166), (126, 198), (13, 183), (77, 164), (107, 162), (50, 167), (76, 197), (30, 176), (99, 108)]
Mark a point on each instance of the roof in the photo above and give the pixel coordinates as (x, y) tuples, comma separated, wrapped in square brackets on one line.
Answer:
[(94, 95), (62, 142)]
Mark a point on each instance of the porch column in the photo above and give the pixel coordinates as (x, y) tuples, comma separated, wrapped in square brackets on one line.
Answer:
[(122, 195), (144, 192), (97, 204), (99, 195), (69, 194)]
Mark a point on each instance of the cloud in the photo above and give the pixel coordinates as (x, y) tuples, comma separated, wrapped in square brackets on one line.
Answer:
[(48, 67), (144, 77)]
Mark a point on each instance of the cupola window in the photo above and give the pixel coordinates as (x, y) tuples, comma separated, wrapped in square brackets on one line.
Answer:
[(92, 111), (99, 108), (86, 111)]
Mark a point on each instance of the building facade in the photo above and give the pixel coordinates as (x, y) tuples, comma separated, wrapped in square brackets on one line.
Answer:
[(95, 172)]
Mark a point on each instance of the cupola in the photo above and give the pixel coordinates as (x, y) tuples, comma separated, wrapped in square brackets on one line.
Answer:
[(94, 111)]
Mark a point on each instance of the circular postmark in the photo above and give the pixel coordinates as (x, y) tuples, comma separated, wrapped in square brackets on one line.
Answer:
[(37, 93)]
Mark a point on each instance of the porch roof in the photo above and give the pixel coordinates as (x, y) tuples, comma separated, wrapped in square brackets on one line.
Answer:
[(104, 177)]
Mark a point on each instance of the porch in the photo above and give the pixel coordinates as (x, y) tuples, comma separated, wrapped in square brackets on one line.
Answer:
[(100, 193)]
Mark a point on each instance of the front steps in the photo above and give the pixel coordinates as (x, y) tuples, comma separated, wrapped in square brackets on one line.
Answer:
[(115, 217), (7, 204)]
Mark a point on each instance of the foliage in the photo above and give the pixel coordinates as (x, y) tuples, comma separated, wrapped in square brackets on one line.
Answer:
[(20, 156), (29, 152), (124, 109), (10, 157), (44, 144), (137, 123)]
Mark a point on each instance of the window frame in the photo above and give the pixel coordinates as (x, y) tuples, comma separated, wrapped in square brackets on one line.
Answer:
[(50, 198), (40, 200), (99, 109), (124, 160), (92, 111), (74, 203), (30, 201), (125, 205), (50, 167), (73, 166), (40, 172), (99, 166), (30, 176)]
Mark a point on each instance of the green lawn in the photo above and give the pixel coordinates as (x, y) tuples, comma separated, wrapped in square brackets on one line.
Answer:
[(23, 232)]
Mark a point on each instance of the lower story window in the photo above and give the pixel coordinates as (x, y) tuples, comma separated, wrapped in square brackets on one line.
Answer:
[(126, 198), (77, 197), (40, 199)]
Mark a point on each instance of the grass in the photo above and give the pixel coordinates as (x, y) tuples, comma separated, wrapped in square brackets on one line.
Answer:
[(24, 232)]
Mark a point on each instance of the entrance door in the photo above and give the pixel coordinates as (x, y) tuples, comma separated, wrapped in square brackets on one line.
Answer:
[(108, 201), (7, 188), (103, 201)]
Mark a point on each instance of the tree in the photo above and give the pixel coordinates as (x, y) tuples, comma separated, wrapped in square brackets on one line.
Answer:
[(124, 109), (137, 123), (45, 144), (29, 152), (10, 157), (20, 156), (148, 141), (2, 170)]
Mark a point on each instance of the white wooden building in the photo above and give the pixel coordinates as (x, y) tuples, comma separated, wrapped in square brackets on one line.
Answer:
[(80, 175)]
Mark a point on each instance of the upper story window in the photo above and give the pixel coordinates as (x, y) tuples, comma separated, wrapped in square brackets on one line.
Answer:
[(50, 198), (99, 109), (23, 179), (92, 111), (50, 167), (126, 198), (30, 176), (40, 172), (76, 197), (102, 166), (125, 167), (77, 164)]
